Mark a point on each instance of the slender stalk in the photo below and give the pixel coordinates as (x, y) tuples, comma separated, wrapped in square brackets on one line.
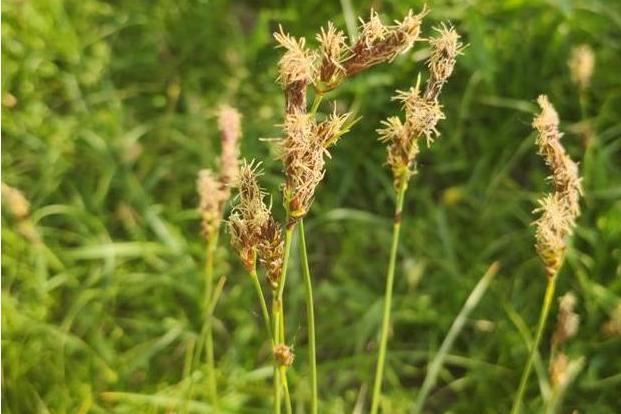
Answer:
[(545, 310), (263, 303), (310, 316), (208, 319), (278, 322), (437, 362), (390, 276)]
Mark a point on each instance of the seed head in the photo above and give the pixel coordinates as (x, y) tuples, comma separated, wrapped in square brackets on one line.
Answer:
[(229, 123), (212, 196), (270, 251), (421, 118), (332, 45), (254, 232), (445, 48), (296, 70), (581, 64), (558, 370), (249, 216), (17, 204), (560, 209), (567, 320), (379, 43), (303, 159), (284, 355)]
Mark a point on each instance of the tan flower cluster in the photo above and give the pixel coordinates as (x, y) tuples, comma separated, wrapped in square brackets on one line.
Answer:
[(215, 189), (581, 64), (422, 112), (560, 209), (380, 43), (303, 153), (254, 232), (15, 201), (567, 320), (284, 355), (296, 70)]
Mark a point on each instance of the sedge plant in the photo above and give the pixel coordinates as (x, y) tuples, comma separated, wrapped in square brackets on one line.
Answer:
[(422, 113), (557, 221), (214, 191)]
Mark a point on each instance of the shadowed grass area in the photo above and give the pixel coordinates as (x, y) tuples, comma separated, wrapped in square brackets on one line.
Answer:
[(108, 114)]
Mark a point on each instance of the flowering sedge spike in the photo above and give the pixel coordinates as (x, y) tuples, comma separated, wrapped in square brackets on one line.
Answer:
[(284, 355), (567, 320), (422, 111), (379, 43), (229, 124), (254, 232), (304, 149), (581, 64), (560, 209), (296, 70), (212, 196), (444, 51), (15, 201), (332, 45), (214, 189)]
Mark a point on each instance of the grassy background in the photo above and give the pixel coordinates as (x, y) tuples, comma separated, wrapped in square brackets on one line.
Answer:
[(114, 115)]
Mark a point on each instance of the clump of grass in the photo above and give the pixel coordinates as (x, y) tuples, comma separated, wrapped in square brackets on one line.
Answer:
[(422, 113), (557, 221)]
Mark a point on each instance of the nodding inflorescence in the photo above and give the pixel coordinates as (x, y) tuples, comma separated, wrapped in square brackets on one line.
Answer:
[(254, 232), (422, 109), (560, 209)]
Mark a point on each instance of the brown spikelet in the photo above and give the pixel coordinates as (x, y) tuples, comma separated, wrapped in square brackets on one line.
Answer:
[(332, 45), (567, 320), (212, 196), (560, 209), (303, 163), (445, 48), (229, 124), (270, 251), (379, 43), (284, 355), (296, 70), (254, 232), (581, 64), (15, 201)]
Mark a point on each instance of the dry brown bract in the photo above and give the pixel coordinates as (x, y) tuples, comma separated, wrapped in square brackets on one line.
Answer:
[(560, 209)]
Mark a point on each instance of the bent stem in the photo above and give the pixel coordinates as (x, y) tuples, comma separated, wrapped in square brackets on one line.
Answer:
[(310, 316), (390, 276), (545, 310)]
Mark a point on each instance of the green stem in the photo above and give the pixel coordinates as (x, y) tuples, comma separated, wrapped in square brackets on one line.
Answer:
[(310, 316), (208, 319), (545, 310), (390, 276), (278, 322), (263, 303)]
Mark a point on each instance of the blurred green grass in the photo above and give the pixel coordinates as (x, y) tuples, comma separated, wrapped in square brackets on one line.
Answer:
[(113, 116)]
